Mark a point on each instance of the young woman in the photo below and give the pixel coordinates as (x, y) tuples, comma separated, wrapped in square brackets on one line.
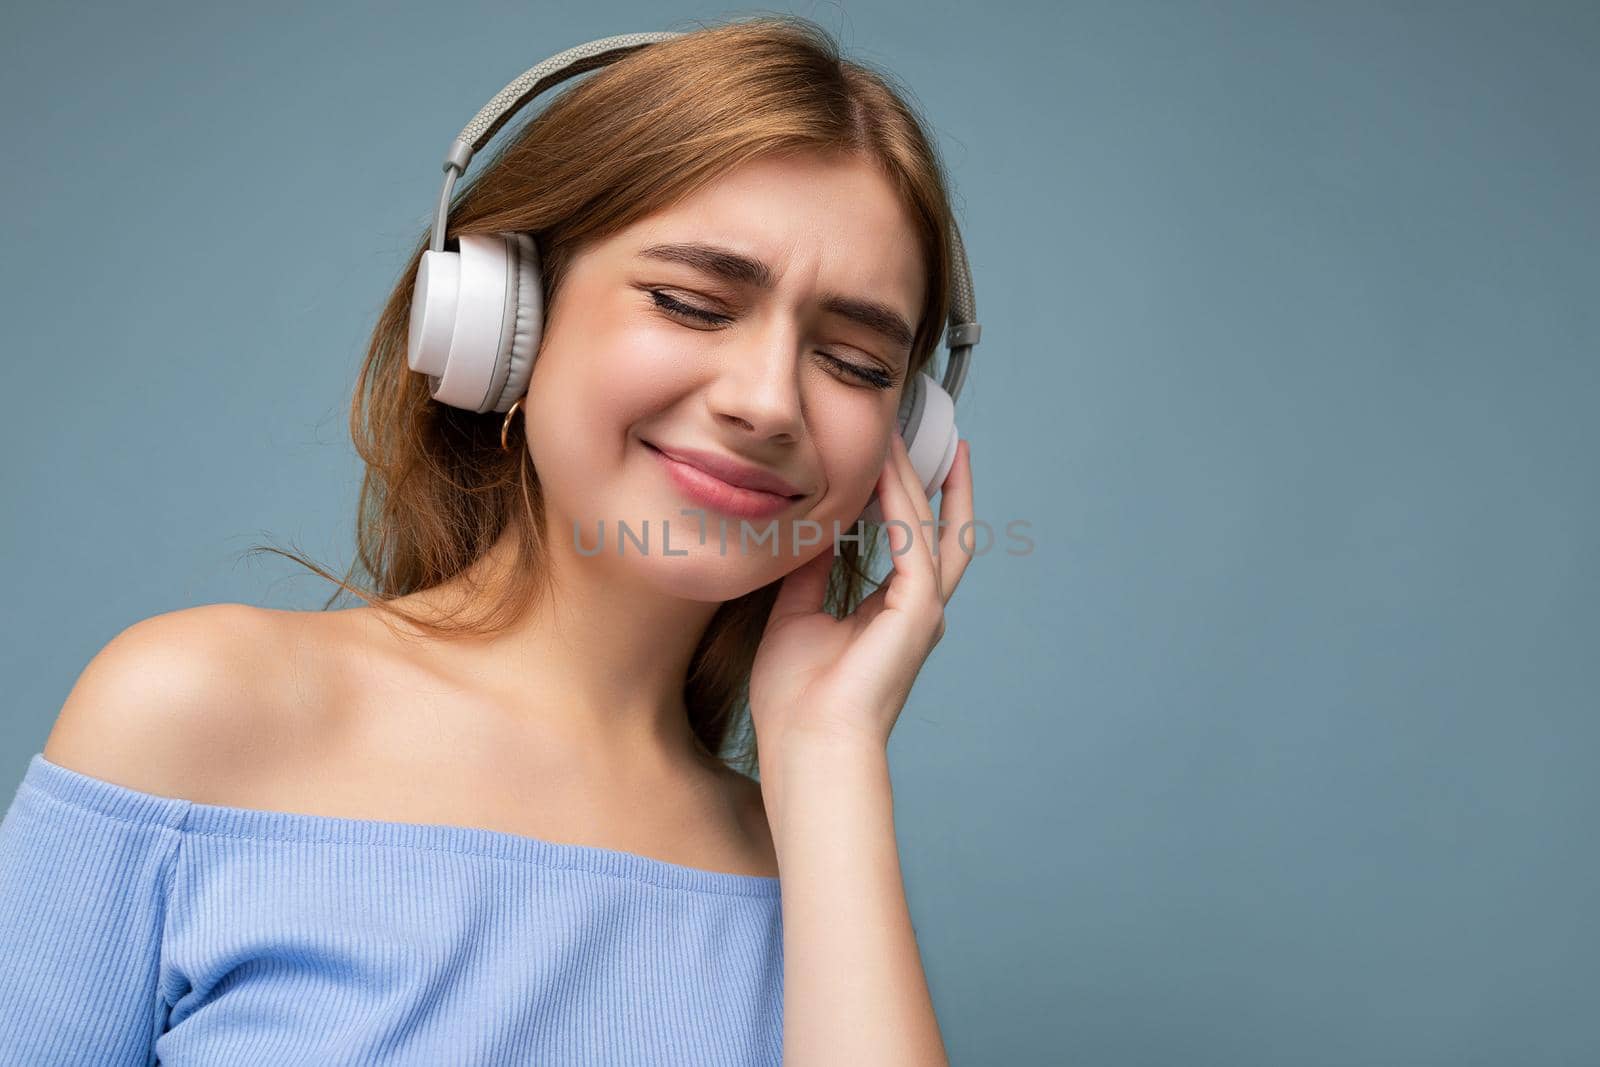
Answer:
[(490, 817)]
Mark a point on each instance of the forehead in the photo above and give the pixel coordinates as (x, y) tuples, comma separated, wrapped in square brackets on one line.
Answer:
[(821, 223)]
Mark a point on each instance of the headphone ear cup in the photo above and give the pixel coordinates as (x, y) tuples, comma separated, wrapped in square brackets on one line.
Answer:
[(927, 421), (526, 319), (474, 328)]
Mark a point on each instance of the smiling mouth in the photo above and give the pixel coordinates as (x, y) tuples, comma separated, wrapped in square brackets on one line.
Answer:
[(711, 491), (742, 488)]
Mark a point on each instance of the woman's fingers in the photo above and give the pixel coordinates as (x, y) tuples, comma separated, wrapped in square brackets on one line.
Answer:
[(912, 508), (956, 512)]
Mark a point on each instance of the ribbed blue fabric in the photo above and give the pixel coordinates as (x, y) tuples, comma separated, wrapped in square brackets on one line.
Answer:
[(138, 929)]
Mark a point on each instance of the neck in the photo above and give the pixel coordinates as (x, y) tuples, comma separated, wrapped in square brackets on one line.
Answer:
[(599, 664)]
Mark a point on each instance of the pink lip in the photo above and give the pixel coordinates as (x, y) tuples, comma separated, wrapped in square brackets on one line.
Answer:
[(715, 492)]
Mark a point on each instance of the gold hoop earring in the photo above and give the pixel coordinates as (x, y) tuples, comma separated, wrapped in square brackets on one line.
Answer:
[(506, 425)]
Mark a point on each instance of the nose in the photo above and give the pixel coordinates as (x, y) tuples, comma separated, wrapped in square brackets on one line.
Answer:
[(757, 386)]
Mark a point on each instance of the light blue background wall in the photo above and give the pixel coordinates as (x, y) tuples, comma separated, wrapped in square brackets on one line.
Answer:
[(1279, 749)]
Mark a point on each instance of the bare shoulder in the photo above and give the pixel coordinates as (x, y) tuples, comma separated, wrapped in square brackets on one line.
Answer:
[(178, 701)]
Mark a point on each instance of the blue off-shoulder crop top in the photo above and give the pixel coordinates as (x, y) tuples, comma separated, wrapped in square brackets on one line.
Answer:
[(138, 929)]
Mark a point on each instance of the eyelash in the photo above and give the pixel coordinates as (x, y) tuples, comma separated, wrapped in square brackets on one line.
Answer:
[(874, 378)]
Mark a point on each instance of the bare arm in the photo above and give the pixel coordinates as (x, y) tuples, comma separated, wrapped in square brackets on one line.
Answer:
[(854, 987), (824, 694)]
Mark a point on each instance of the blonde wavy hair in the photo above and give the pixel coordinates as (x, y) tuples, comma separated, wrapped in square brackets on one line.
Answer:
[(617, 145)]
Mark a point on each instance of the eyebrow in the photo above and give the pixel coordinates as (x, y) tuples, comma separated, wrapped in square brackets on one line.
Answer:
[(741, 269)]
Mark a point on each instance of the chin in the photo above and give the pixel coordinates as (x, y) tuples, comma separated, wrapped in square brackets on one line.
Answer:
[(705, 573)]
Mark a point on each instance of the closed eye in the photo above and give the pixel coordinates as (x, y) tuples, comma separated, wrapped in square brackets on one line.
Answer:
[(877, 379)]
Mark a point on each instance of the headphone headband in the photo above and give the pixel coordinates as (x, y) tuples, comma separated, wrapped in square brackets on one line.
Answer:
[(962, 329)]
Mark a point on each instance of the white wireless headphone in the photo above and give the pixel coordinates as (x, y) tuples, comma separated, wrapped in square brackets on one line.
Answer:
[(477, 315)]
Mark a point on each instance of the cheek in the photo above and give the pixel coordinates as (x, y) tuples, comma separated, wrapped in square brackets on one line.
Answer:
[(852, 448), (639, 368), (592, 385), (634, 356)]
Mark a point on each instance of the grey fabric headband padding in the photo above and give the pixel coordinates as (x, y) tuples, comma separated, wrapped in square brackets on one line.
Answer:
[(539, 77)]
